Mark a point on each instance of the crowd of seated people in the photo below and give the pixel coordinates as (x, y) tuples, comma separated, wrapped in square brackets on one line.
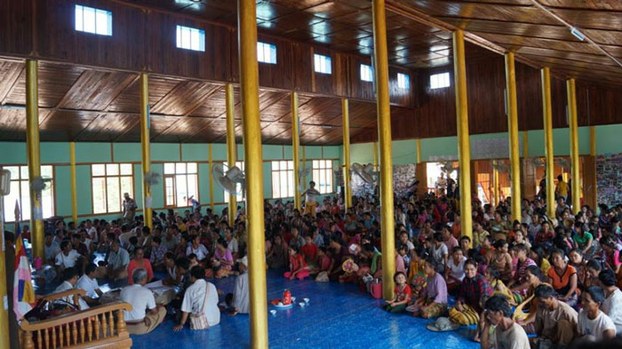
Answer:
[(552, 269)]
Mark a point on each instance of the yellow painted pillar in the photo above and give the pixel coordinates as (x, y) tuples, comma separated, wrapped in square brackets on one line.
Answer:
[(495, 183), (34, 155), (592, 141), (296, 149), (74, 183), (210, 162), (525, 144), (4, 312), (510, 81), (548, 141), (249, 83), (575, 163), (231, 147), (304, 164), (464, 144), (418, 144), (347, 181), (145, 145), (384, 138)]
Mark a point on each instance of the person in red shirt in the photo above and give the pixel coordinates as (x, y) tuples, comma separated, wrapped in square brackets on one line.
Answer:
[(297, 266), (403, 294), (309, 251)]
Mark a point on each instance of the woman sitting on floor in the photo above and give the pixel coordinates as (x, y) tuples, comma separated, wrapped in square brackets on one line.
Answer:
[(433, 299), (535, 278), (454, 273), (222, 263), (473, 292), (563, 278)]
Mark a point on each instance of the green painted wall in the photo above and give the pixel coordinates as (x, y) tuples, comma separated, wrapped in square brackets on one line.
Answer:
[(57, 154)]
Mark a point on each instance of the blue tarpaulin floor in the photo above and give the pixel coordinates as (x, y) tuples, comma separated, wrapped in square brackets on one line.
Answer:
[(338, 316)]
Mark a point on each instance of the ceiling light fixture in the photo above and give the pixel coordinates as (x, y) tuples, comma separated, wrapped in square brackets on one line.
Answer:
[(577, 34)]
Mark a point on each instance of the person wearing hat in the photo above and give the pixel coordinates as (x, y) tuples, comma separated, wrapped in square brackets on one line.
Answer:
[(239, 300), (508, 334)]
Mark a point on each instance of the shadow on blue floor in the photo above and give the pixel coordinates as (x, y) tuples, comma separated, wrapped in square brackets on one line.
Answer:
[(338, 316)]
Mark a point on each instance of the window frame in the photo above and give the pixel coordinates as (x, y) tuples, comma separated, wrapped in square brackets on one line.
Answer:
[(120, 176), (322, 64), (267, 52), (81, 10), (25, 181), (366, 72), (173, 176), (403, 81), (440, 80), (327, 172), (286, 175), (180, 40)]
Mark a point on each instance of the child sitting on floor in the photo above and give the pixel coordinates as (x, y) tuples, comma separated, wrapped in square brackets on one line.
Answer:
[(297, 265), (402, 294)]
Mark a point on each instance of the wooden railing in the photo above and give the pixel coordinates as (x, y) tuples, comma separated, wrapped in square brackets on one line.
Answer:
[(98, 327)]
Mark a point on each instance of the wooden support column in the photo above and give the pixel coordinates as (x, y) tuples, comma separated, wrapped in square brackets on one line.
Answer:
[(74, 183), (34, 156), (210, 163), (575, 162), (249, 93), (464, 144), (510, 80), (548, 141), (384, 137), (347, 181), (296, 149), (232, 150), (145, 144)]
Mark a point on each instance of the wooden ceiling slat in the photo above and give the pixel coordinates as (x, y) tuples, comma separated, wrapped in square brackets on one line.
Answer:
[(95, 90), (10, 72), (184, 98)]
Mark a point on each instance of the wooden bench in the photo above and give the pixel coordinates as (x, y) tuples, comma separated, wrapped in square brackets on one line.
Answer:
[(98, 327)]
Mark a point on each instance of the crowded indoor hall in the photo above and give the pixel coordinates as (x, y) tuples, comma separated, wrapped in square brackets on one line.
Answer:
[(311, 174)]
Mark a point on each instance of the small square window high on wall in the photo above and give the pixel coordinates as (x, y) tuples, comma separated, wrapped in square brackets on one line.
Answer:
[(190, 38), (322, 64), (266, 53), (403, 81), (93, 20), (439, 81), (366, 73)]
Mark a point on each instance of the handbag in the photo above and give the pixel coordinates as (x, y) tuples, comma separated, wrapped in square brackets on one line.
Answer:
[(199, 321)]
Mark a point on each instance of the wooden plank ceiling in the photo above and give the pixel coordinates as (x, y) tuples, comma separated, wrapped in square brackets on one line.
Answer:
[(539, 31), (86, 104)]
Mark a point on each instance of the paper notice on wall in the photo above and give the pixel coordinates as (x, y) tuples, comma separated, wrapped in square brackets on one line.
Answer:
[(148, 202), (6, 302)]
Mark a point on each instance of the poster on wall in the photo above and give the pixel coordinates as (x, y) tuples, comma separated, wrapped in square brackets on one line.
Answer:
[(608, 178), (403, 177)]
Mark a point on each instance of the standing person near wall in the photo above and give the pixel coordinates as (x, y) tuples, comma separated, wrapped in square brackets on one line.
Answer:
[(310, 195)]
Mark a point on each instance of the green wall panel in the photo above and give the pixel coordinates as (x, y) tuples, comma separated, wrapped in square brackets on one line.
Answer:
[(267, 180), (362, 153), (93, 152), (404, 152), (608, 139), (54, 153), (205, 173), (331, 152), (62, 190), (272, 152), (219, 152), (127, 152), (85, 195), (194, 152), (13, 153), (315, 152), (157, 191), (438, 147), (165, 152), (138, 185)]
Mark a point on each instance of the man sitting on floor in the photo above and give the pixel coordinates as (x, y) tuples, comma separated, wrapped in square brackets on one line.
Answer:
[(508, 334), (556, 321), (118, 260), (139, 321)]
